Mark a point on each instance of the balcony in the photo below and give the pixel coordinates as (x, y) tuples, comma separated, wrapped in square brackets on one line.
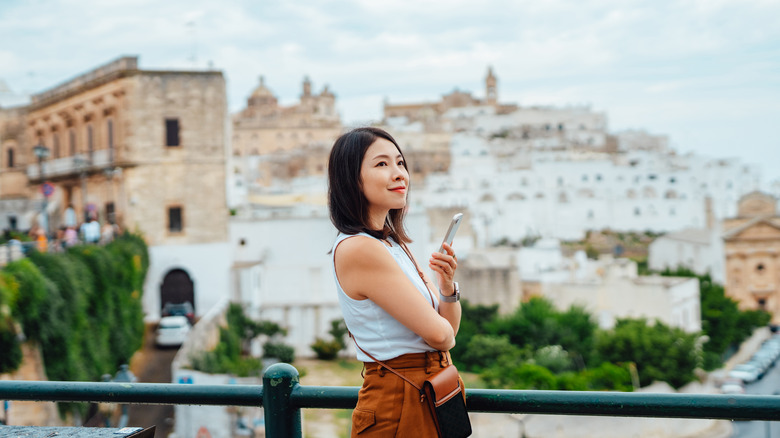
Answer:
[(282, 398), (60, 168)]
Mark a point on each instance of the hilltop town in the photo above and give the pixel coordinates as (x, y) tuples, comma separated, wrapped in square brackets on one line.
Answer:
[(233, 206)]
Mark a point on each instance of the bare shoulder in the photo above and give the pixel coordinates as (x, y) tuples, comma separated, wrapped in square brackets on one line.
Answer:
[(360, 250)]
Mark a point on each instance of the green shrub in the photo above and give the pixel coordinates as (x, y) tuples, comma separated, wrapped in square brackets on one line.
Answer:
[(280, 350), (329, 350), (326, 350)]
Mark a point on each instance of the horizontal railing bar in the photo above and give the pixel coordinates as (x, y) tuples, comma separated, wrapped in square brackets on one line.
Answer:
[(137, 393), (591, 403), (626, 404)]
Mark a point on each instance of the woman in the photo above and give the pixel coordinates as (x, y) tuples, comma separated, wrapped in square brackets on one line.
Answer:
[(390, 307)]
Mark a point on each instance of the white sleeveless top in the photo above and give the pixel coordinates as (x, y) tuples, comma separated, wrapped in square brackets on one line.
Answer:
[(374, 329)]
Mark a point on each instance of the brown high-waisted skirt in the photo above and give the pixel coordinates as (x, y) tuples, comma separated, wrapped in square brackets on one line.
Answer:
[(388, 406)]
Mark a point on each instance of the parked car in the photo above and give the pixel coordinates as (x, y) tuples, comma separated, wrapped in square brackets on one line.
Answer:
[(172, 331), (732, 386), (745, 372), (180, 309)]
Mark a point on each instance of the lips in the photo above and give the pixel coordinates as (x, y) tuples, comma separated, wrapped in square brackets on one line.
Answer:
[(399, 190)]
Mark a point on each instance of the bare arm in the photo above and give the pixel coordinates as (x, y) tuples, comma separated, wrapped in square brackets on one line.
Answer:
[(366, 270)]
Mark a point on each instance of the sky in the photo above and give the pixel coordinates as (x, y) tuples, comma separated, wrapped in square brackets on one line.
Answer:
[(704, 72)]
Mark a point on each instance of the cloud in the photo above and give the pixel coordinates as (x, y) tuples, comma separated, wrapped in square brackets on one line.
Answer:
[(673, 65)]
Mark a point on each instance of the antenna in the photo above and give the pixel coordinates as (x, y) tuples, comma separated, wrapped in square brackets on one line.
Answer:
[(193, 33)]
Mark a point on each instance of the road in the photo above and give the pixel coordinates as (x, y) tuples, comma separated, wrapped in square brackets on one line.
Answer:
[(761, 429), (152, 365)]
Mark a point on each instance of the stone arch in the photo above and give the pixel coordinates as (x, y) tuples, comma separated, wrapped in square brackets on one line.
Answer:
[(177, 287)]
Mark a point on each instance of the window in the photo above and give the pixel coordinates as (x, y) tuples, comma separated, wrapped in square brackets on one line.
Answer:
[(175, 220), (10, 160), (171, 132), (110, 135), (12, 223), (637, 211), (760, 267), (90, 143), (110, 212), (72, 141), (55, 146)]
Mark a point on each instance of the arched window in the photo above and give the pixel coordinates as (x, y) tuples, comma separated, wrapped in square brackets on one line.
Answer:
[(10, 160)]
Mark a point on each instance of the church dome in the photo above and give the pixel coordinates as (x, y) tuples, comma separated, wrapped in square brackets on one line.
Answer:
[(262, 90)]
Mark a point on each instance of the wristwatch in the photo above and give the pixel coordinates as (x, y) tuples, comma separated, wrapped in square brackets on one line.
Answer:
[(454, 298)]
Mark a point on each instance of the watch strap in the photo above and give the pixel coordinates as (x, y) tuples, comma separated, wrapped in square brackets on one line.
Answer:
[(454, 298)]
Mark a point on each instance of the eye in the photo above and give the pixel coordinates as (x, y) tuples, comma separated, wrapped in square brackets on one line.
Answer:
[(402, 163), (381, 163)]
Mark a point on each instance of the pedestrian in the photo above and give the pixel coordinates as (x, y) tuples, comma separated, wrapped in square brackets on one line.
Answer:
[(394, 312), (71, 236)]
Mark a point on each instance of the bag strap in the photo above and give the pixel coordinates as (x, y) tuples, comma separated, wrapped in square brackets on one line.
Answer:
[(422, 277), (384, 364), (419, 272)]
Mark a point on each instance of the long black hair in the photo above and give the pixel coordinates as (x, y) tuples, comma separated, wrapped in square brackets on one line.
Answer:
[(346, 201)]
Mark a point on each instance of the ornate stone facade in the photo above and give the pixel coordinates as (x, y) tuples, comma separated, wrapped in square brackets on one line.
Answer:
[(265, 127), (430, 113), (143, 148), (752, 242)]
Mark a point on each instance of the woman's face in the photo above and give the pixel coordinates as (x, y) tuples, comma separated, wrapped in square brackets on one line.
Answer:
[(384, 178)]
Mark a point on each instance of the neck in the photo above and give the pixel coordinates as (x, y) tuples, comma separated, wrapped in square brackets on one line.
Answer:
[(377, 219)]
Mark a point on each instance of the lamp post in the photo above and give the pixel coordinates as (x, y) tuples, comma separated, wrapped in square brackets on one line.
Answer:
[(42, 152)]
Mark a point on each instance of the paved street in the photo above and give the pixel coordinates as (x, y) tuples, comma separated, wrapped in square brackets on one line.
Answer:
[(152, 365), (761, 429)]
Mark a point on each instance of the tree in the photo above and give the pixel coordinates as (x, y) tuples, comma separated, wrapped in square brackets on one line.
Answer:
[(661, 353)]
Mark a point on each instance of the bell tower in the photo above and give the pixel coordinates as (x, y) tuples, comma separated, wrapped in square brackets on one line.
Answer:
[(491, 89)]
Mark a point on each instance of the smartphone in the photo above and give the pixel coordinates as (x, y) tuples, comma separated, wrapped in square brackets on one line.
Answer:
[(450, 236)]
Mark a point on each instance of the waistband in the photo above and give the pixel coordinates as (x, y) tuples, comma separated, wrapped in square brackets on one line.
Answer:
[(414, 360)]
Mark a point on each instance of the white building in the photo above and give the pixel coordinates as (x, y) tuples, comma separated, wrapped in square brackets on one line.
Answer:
[(282, 268), (616, 291), (564, 193)]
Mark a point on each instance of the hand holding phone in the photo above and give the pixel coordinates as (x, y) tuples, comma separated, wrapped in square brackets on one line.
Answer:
[(450, 235)]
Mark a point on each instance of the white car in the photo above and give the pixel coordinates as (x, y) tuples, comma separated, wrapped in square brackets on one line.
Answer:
[(172, 331), (732, 386), (745, 372)]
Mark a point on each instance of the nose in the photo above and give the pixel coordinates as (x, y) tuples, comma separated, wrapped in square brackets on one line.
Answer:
[(400, 173)]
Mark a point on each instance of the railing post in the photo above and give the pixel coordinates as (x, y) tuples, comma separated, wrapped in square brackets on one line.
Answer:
[(282, 419)]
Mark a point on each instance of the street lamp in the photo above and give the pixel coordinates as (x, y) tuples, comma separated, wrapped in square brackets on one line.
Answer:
[(42, 152)]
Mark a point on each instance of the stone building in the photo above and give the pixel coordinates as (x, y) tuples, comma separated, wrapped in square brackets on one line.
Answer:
[(144, 149), (752, 244), (430, 113), (265, 127), (17, 208)]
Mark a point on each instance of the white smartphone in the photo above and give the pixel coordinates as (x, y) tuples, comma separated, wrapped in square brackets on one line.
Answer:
[(450, 236)]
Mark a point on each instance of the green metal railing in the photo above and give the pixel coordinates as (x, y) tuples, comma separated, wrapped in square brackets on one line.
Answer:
[(282, 398)]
